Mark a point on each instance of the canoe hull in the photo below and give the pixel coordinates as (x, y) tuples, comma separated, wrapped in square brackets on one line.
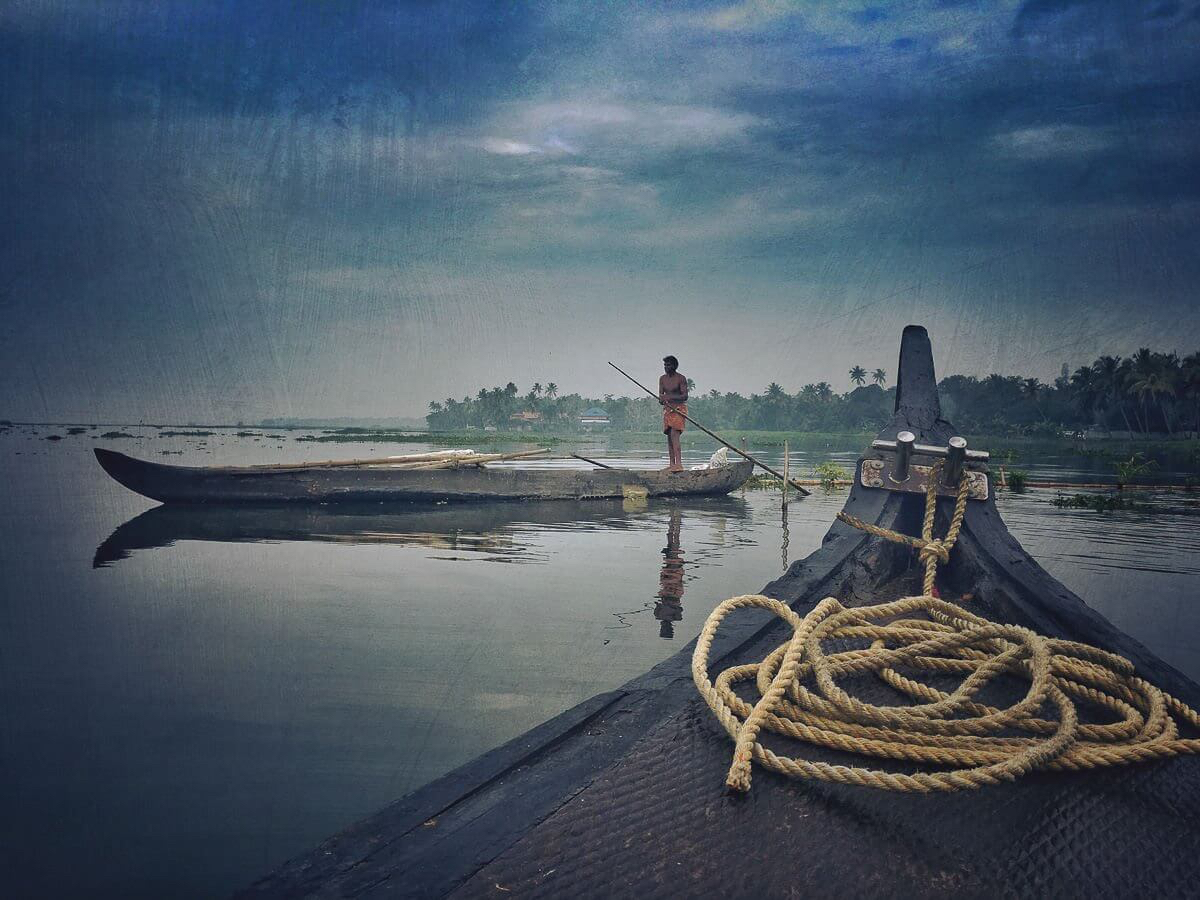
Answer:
[(187, 484)]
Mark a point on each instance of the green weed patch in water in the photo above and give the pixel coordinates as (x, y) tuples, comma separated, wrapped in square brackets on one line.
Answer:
[(1134, 467), (761, 481), (113, 435), (1101, 503), (186, 433), (829, 474)]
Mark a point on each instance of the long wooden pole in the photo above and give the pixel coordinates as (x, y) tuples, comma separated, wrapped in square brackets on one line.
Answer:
[(592, 461), (462, 462), (369, 461), (416, 460), (800, 489)]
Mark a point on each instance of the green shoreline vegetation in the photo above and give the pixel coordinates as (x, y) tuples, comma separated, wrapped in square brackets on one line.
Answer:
[(1144, 394)]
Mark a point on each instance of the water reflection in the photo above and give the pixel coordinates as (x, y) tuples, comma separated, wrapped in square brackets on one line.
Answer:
[(668, 608), (498, 532), (783, 544)]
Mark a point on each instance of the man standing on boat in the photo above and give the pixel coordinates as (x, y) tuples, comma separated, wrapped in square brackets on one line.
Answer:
[(673, 392)]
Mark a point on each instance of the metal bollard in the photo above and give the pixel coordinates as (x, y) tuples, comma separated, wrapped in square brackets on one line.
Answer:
[(904, 448), (956, 455)]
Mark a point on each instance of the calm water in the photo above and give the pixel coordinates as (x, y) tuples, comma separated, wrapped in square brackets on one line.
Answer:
[(190, 699)]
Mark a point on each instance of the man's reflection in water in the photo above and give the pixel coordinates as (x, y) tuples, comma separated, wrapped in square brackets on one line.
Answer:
[(668, 608)]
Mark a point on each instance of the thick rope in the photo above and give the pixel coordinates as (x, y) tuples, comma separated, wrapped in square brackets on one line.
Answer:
[(963, 743)]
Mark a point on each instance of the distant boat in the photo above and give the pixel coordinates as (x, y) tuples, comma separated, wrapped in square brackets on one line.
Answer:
[(336, 483)]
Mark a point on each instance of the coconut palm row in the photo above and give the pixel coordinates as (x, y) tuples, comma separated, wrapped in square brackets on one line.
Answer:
[(1149, 391), (814, 407), (858, 375), (1145, 392)]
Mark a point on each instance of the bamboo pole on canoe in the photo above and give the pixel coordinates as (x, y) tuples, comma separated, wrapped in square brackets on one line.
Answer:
[(433, 456), (478, 460), (416, 460), (800, 489)]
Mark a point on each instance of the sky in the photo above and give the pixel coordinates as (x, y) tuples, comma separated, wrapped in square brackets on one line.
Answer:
[(220, 211)]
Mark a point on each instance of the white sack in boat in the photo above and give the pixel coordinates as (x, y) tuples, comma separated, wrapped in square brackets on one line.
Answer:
[(718, 460)]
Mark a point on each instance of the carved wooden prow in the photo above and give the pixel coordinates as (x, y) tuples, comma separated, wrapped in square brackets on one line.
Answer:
[(918, 408)]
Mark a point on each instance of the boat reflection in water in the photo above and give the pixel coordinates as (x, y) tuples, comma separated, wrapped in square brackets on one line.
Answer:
[(500, 532)]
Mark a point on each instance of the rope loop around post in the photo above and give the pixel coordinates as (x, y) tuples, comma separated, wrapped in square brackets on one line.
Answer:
[(956, 741)]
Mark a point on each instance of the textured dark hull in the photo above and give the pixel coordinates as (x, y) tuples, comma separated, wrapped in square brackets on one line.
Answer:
[(368, 484), (624, 794)]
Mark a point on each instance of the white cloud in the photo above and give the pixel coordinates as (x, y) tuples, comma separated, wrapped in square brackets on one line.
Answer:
[(585, 125), (506, 147), (1052, 141), (743, 16)]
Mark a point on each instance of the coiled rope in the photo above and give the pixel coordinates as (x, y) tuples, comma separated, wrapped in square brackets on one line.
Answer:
[(963, 743)]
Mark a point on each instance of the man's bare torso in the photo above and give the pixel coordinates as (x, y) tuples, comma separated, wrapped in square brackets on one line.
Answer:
[(673, 388)]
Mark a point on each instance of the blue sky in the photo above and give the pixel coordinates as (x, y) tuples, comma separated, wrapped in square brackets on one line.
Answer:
[(254, 209)]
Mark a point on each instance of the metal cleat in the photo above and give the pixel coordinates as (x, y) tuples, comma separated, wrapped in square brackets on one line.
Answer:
[(904, 465)]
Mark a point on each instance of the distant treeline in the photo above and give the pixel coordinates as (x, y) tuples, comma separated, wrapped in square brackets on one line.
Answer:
[(1147, 392), (397, 423)]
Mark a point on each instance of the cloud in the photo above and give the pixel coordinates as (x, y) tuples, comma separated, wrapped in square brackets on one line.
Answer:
[(1046, 142), (744, 16), (506, 147), (585, 124), (341, 168)]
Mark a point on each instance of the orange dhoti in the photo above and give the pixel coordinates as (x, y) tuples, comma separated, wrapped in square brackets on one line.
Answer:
[(674, 421)]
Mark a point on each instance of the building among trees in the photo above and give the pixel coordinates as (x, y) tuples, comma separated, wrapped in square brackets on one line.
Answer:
[(526, 418), (593, 415)]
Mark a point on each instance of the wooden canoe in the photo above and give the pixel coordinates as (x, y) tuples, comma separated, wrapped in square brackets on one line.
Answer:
[(623, 795), (322, 484)]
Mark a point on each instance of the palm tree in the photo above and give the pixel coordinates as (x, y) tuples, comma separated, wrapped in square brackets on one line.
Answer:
[(551, 390), (774, 391), (1032, 388), (1189, 385), (537, 389), (1083, 389), (879, 376), (1141, 367), (434, 406), (1155, 383), (824, 390), (1143, 361), (1110, 384), (858, 375)]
